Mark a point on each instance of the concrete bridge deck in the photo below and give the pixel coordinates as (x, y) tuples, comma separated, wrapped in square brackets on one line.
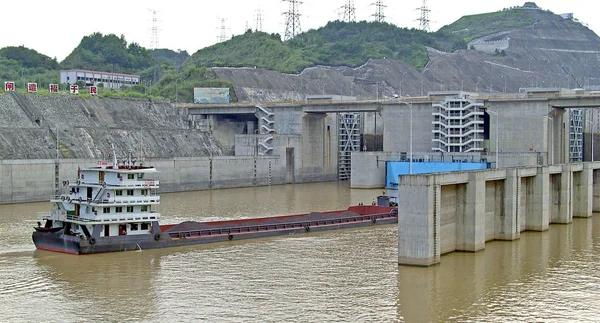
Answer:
[(585, 100)]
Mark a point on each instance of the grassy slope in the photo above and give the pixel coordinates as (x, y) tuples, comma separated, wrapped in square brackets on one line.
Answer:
[(474, 26)]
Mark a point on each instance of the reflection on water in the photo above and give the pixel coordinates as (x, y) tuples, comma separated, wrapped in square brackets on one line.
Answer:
[(348, 275)]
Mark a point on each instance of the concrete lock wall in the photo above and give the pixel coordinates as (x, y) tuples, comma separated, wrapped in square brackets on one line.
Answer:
[(441, 213), (34, 180)]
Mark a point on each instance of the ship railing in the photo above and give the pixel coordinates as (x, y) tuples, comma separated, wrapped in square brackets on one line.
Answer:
[(124, 200), (127, 184), (148, 216), (306, 225)]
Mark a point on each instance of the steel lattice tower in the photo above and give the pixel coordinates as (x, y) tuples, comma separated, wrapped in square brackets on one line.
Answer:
[(259, 20), (154, 31), (292, 20), (223, 35), (379, 6), (349, 11), (424, 18)]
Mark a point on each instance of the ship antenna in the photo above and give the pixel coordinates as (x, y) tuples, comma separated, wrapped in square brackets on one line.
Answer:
[(115, 162)]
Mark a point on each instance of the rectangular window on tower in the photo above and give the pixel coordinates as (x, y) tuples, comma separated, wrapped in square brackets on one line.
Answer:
[(106, 210)]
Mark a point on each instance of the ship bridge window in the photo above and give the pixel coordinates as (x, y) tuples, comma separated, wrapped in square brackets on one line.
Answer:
[(119, 209), (106, 210), (119, 193), (144, 208), (130, 176), (145, 226), (133, 227), (144, 192), (130, 209), (141, 176), (129, 192)]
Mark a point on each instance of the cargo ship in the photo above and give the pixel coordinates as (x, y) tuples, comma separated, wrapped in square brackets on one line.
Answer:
[(113, 207)]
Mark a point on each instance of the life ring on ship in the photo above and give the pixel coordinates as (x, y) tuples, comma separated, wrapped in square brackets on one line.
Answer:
[(62, 197), (230, 237), (157, 236), (80, 199), (92, 240), (78, 182), (68, 199), (64, 183), (103, 184), (107, 195)]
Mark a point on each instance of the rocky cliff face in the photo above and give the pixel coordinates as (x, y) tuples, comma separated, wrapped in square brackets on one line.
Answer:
[(86, 128), (553, 52)]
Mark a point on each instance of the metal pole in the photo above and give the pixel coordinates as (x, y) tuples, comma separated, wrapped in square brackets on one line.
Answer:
[(497, 138), (551, 136), (410, 165), (592, 132)]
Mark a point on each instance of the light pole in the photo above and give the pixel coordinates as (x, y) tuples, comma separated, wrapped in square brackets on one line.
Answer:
[(497, 139), (401, 81), (477, 84), (551, 136), (176, 90), (592, 123)]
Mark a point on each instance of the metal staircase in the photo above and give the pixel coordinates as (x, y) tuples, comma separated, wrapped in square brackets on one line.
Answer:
[(349, 141), (576, 135), (266, 128)]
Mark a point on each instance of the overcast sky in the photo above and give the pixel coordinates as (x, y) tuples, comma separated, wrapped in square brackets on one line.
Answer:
[(55, 28)]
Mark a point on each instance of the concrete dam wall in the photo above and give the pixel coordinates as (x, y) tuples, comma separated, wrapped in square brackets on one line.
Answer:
[(37, 180), (31, 125)]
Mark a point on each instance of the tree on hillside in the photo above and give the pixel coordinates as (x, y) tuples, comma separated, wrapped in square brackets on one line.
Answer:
[(108, 53), (28, 58)]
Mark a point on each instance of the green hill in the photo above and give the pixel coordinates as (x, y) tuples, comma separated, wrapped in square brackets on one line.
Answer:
[(336, 44), (108, 53), (474, 26)]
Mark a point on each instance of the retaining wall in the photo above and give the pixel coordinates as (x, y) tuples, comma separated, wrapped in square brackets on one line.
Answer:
[(34, 180)]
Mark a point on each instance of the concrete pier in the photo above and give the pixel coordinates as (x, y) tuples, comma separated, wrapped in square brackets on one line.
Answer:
[(446, 212)]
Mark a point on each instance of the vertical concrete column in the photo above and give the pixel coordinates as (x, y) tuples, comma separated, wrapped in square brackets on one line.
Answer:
[(539, 217), (471, 225), (508, 212), (583, 193), (418, 220), (565, 205), (596, 190)]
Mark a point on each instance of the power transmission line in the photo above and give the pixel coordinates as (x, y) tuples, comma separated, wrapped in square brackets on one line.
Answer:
[(292, 20), (379, 15), (349, 11), (424, 18)]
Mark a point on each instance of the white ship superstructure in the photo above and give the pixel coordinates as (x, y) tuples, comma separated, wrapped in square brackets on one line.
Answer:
[(118, 199)]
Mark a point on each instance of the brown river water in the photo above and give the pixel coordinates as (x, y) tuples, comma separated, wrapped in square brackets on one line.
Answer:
[(338, 276)]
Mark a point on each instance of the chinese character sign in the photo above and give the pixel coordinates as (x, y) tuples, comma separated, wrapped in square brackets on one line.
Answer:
[(74, 89), (31, 87), (53, 88), (93, 90), (9, 86)]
